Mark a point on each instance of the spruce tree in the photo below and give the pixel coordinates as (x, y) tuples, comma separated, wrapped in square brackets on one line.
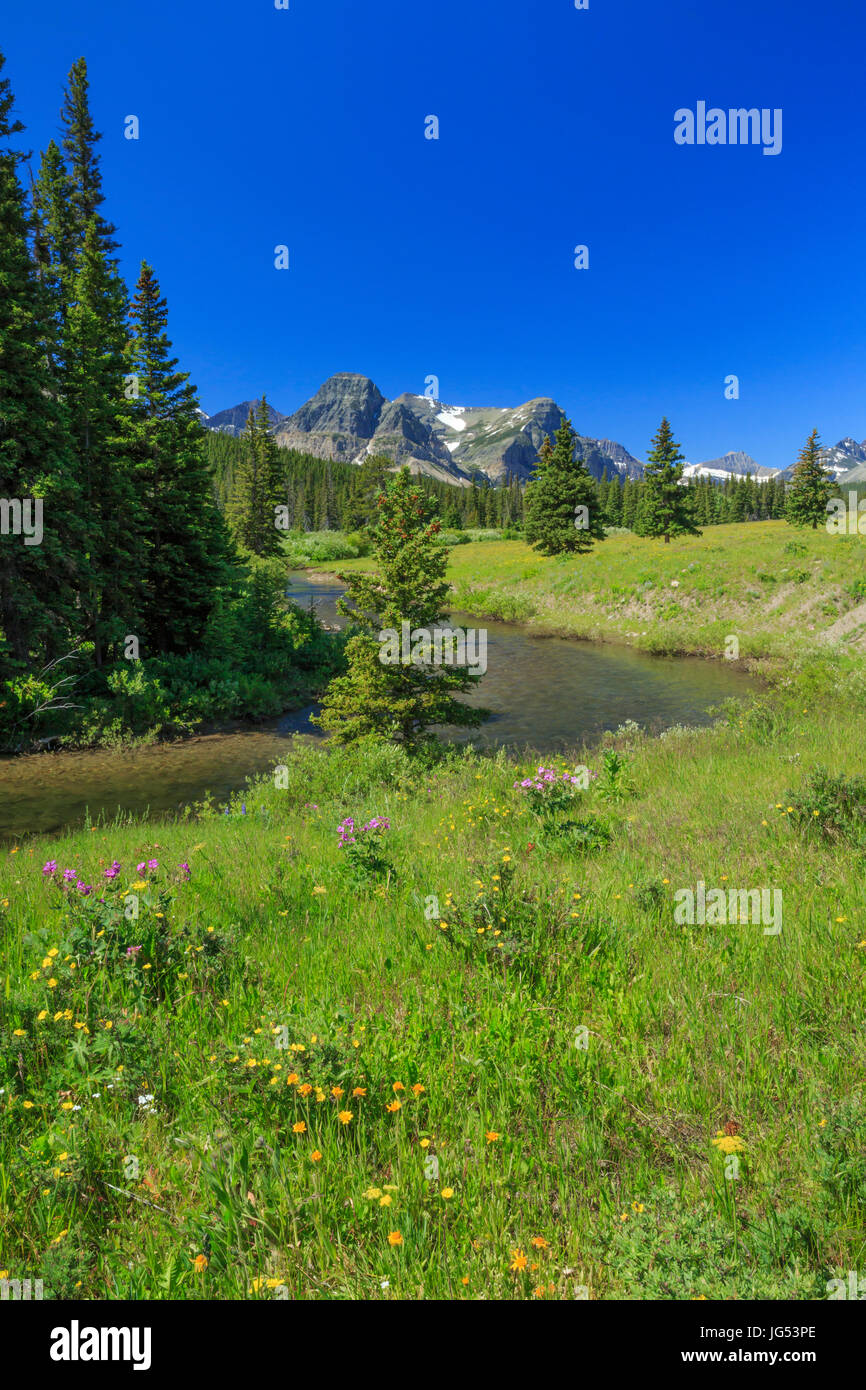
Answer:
[(80, 139), (259, 488), (54, 245), (563, 515), (38, 613), (185, 546), (810, 488), (96, 400), (398, 699), (665, 506)]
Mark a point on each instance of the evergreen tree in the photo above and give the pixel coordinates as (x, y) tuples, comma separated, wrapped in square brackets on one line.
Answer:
[(80, 139), (183, 536), (95, 389), (54, 246), (665, 507), (398, 699), (563, 515), (811, 487), (259, 488), (630, 501), (38, 613)]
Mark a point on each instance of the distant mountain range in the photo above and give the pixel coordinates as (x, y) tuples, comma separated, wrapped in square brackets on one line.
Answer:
[(348, 419)]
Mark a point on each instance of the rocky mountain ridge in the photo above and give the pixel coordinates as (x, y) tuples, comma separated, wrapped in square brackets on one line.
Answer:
[(349, 418)]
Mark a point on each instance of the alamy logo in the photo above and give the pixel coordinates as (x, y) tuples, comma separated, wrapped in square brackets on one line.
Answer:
[(854, 1287), (76, 1343), (847, 521), (438, 646), (22, 518), (736, 126), (729, 908), (21, 1289)]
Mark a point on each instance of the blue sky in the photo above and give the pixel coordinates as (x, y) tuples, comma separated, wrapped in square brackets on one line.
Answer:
[(454, 258)]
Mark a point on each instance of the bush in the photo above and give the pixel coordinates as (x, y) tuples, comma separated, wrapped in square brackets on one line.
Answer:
[(831, 807)]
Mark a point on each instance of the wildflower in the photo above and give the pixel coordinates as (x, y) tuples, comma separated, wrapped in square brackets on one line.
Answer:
[(19, 1033), (386, 1200), (418, 1089), (729, 1143), (359, 1091), (518, 1261), (299, 1127), (28, 1105), (491, 1136), (316, 1155), (393, 1106), (50, 867), (447, 1193), (199, 1264), (319, 889), (344, 1117), (425, 1143), (398, 1086), (373, 1194), (540, 1243), (395, 1238)]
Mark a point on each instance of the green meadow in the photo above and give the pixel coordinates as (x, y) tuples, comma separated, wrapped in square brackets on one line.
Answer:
[(774, 588), (482, 1060)]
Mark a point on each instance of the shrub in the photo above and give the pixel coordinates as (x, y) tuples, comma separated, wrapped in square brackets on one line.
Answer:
[(830, 806)]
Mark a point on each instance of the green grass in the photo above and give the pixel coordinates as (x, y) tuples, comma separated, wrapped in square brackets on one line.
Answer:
[(768, 585), (605, 1045)]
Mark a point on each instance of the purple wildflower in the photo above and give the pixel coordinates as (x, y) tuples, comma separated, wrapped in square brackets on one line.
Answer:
[(50, 867)]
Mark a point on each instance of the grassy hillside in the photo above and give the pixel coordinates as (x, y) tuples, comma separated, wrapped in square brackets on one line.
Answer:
[(238, 1093), (763, 582)]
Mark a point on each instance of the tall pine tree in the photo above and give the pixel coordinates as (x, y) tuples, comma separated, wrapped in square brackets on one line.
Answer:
[(185, 545), (260, 487), (810, 488), (96, 401), (38, 613), (563, 515), (665, 506), (80, 138)]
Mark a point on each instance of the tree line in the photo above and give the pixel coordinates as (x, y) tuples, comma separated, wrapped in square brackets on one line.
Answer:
[(324, 495), (100, 434), (566, 511)]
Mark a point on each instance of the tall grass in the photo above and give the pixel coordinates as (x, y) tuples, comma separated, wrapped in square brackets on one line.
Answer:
[(494, 1067)]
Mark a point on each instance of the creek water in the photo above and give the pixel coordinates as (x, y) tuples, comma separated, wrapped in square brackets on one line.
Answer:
[(545, 693)]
